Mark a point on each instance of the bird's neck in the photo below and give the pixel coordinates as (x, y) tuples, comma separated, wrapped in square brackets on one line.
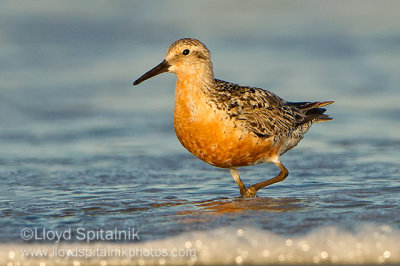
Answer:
[(191, 96), (195, 81)]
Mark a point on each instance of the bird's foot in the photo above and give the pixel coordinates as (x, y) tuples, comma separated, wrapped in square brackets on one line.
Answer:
[(249, 193)]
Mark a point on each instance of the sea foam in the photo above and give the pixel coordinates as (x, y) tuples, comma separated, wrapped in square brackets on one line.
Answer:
[(369, 244)]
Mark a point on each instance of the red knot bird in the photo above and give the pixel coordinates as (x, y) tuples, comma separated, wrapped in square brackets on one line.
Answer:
[(228, 125)]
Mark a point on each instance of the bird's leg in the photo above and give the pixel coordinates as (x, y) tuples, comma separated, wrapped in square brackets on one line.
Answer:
[(236, 177), (252, 190)]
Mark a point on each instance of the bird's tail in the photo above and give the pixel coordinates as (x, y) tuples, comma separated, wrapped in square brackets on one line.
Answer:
[(313, 111)]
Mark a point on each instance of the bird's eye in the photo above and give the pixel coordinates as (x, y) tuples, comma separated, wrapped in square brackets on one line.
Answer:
[(185, 52)]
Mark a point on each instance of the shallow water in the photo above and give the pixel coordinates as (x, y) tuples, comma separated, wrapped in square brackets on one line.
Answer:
[(81, 147)]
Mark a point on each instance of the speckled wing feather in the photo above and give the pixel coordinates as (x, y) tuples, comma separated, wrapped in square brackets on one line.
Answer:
[(258, 110)]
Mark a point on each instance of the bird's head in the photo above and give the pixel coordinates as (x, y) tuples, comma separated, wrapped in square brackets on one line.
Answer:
[(185, 57)]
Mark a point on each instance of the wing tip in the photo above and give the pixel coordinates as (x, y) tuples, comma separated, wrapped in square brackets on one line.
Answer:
[(322, 104)]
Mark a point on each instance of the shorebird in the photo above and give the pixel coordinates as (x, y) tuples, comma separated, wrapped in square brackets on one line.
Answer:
[(228, 125)]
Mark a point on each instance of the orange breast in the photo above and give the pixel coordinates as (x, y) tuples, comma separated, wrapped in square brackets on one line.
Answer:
[(211, 136)]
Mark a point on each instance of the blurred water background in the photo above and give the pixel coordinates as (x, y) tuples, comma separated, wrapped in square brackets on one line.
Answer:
[(81, 147)]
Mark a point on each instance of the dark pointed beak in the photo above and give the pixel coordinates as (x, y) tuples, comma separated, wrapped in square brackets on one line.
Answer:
[(161, 68)]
